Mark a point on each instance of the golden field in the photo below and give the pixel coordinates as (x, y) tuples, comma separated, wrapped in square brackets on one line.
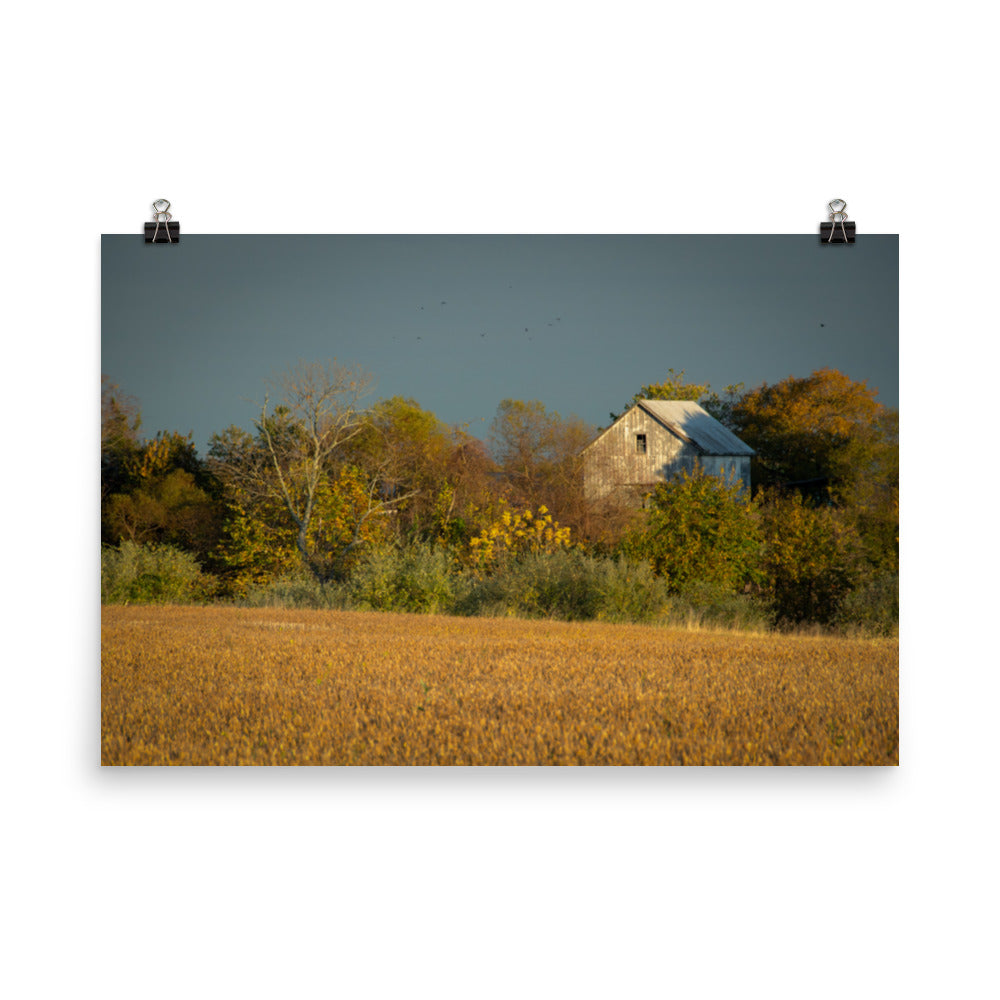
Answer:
[(221, 685)]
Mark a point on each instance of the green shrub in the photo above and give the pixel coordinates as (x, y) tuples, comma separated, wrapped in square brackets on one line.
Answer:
[(553, 585), (147, 574), (699, 527), (568, 585), (812, 559), (872, 609), (628, 591), (296, 590), (706, 605), (417, 577)]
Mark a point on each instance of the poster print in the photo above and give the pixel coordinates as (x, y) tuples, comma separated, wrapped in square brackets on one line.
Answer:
[(493, 500)]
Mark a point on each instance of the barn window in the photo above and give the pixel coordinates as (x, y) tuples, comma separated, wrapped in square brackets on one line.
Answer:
[(640, 444)]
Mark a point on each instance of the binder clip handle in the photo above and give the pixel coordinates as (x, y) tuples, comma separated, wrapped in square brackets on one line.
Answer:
[(837, 214), (838, 217), (162, 217)]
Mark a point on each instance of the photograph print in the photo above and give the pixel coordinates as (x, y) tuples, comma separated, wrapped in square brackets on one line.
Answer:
[(499, 500)]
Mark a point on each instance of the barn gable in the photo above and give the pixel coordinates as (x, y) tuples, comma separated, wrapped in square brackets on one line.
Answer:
[(689, 421), (658, 439)]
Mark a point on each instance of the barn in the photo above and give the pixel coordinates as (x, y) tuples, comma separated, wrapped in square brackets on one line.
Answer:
[(656, 440)]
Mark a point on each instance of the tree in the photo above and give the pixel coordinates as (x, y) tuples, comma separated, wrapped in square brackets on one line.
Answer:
[(170, 509), (297, 467), (803, 428), (723, 407), (539, 454), (406, 448), (811, 560), (120, 420), (261, 538), (865, 474), (468, 496), (162, 495), (827, 475), (672, 387), (522, 439), (699, 529)]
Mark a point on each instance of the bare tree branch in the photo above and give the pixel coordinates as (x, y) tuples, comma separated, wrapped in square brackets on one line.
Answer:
[(299, 451)]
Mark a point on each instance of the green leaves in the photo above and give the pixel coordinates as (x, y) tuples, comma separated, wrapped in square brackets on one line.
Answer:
[(811, 560), (699, 528), (672, 387)]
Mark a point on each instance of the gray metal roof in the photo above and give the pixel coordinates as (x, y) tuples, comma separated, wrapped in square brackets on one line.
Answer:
[(689, 421)]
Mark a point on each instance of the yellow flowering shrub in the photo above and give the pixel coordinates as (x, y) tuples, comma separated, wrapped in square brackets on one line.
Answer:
[(513, 533)]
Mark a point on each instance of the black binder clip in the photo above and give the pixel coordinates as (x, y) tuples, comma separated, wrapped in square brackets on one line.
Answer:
[(162, 230), (838, 217)]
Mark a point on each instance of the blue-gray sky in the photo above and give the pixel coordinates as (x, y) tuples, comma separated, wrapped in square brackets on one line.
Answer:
[(461, 322)]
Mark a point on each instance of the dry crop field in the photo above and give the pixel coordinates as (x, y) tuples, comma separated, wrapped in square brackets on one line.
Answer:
[(217, 685)]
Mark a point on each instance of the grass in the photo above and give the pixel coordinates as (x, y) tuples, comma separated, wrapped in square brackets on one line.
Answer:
[(223, 685)]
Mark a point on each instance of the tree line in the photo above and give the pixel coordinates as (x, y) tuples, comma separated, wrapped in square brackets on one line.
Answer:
[(324, 485)]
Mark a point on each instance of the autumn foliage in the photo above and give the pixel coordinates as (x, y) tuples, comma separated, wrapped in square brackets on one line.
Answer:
[(699, 529), (359, 512), (514, 533), (329, 498)]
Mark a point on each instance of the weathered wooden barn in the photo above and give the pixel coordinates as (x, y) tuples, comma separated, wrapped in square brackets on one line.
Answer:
[(654, 441)]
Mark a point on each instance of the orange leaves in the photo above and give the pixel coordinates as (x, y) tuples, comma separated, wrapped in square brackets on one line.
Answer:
[(800, 426)]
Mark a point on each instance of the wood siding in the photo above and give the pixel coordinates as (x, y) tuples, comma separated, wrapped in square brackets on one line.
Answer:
[(613, 461)]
